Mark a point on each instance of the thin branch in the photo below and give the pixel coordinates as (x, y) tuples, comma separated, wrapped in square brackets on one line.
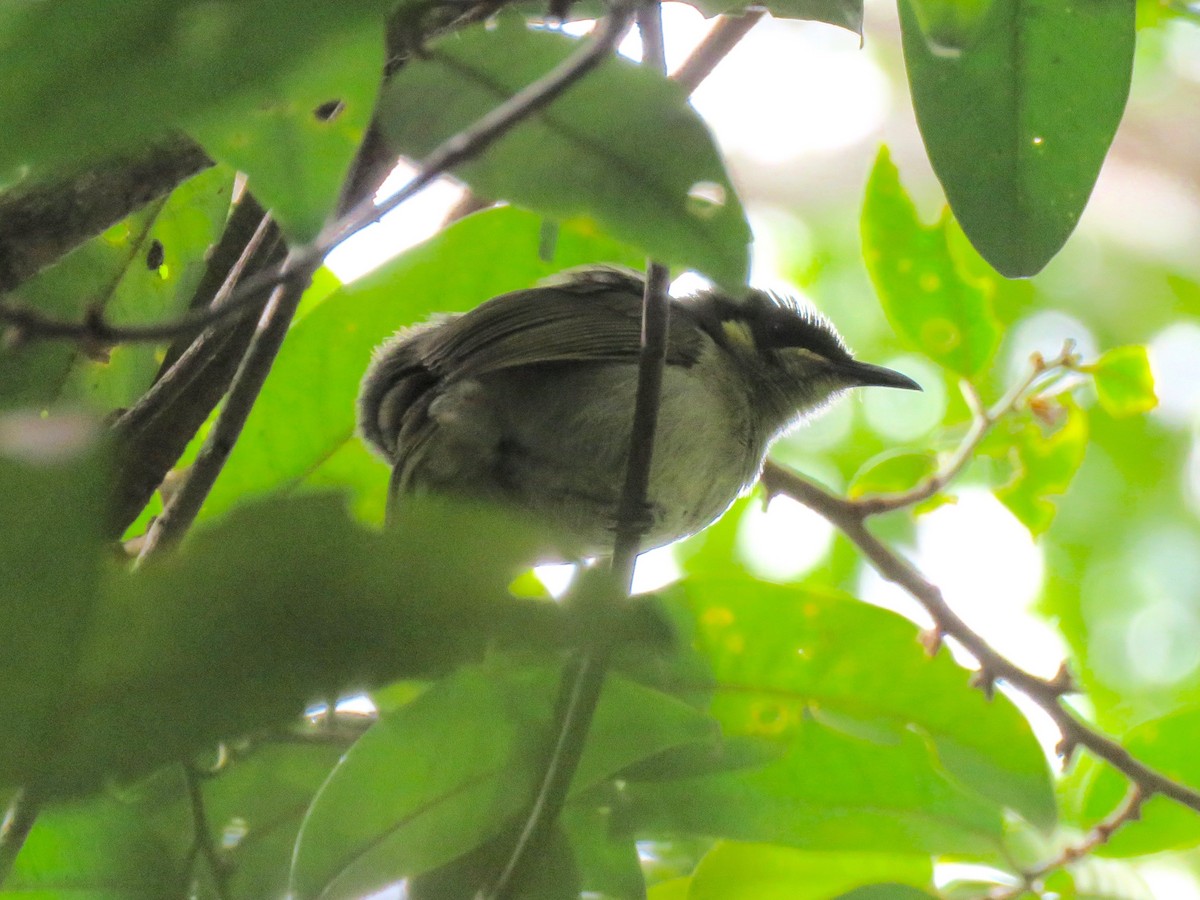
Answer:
[(850, 518), (582, 681), (722, 38), (982, 422), (1129, 810), (19, 819), (181, 510), (172, 383), (202, 841)]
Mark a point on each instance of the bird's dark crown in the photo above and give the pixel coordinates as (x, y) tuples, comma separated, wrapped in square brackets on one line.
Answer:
[(777, 322)]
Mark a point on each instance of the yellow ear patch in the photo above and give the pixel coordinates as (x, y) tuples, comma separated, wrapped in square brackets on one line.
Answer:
[(738, 332)]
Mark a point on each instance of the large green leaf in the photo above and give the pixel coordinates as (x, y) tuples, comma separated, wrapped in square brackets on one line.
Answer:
[(100, 850), (283, 602), (878, 741), (295, 136), (306, 412), (938, 306), (443, 774), (112, 273), (622, 147), (81, 78), (733, 871), (51, 506), (1168, 744), (1018, 120)]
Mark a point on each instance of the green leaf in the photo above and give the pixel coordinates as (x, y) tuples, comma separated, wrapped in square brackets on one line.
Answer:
[(951, 25), (936, 304), (886, 892), (732, 871), (283, 602), (52, 488), (877, 742), (1017, 123), (84, 80), (892, 472), (1045, 461), (1168, 745), (295, 136), (100, 850), (780, 653), (621, 148), (111, 273), (445, 773), (306, 412), (1124, 383)]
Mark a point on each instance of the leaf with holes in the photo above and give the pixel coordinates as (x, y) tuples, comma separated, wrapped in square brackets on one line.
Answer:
[(622, 147), (940, 308), (1124, 382)]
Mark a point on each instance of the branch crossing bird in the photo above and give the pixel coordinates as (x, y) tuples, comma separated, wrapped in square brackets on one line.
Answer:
[(527, 400)]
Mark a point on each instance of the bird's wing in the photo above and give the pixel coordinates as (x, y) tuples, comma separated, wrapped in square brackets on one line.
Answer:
[(591, 317)]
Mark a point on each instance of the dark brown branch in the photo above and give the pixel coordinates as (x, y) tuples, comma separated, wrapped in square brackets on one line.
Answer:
[(181, 510), (151, 435), (42, 223)]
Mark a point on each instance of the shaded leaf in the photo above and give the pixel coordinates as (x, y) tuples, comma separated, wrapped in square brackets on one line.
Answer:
[(892, 472), (285, 601), (1017, 124), (936, 304), (295, 136), (110, 273), (84, 79), (446, 772), (622, 147), (1124, 383)]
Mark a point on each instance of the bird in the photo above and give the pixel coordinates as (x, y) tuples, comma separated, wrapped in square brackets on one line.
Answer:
[(526, 401)]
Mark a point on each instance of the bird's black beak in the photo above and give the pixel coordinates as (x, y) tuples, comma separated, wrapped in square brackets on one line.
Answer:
[(868, 375)]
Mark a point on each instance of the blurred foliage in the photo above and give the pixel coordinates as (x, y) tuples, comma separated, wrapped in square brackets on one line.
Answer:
[(793, 740)]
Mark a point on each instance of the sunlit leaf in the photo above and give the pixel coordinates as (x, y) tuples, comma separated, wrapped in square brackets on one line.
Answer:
[(932, 301), (1045, 458), (1016, 123), (892, 472), (1124, 383), (733, 871), (846, 14), (111, 273)]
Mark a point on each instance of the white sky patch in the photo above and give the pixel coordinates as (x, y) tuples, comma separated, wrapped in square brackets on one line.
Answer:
[(783, 541), (1046, 332), (1175, 362), (989, 571)]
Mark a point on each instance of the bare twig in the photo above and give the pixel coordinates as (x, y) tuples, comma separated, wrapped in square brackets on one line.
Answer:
[(722, 38), (202, 841), (850, 517), (583, 679), (1129, 810), (983, 420), (19, 819)]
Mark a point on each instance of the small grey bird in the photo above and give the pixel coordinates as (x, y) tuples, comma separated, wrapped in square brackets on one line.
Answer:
[(527, 400)]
